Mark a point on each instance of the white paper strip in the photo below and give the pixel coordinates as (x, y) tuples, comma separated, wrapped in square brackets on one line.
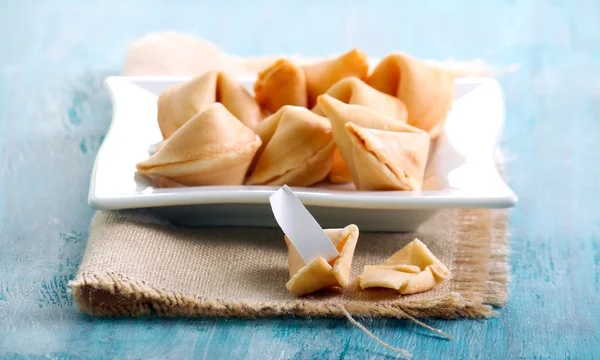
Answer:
[(301, 227)]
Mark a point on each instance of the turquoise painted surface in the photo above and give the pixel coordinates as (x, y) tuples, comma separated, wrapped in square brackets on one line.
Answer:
[(54, 113)]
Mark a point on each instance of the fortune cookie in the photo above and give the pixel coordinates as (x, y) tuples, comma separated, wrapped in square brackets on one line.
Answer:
[(319, 274), (352, 90), (321, 75), (411, 270), (297, 148), (426, 90), (339, 172), (282, 83), (212, 148), (285, 83), (179, 103), (381, 152)]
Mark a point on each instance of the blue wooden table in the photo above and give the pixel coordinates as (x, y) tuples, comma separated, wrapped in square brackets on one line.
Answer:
[(54, 112)]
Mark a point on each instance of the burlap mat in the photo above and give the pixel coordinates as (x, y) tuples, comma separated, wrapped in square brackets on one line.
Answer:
[(136, 263)]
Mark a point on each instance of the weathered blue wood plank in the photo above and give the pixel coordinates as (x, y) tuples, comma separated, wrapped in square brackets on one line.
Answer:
[(54, 113)]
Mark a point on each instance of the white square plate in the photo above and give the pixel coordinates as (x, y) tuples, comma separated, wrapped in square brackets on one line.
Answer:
[(461, 172)]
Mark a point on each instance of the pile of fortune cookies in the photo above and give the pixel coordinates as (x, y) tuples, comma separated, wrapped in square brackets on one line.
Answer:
[(330, 120)]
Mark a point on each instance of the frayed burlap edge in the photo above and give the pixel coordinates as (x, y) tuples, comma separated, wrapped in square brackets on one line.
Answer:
[(480, 281), (114, 295)]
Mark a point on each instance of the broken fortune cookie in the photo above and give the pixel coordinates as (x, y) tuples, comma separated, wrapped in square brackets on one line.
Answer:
[(297, 148), (410, 270), (381, 152), (179, 103), (426, 90), (213, 148), (320, 274)]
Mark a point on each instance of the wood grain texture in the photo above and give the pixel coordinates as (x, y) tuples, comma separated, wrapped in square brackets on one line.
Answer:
[(54, 113)]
